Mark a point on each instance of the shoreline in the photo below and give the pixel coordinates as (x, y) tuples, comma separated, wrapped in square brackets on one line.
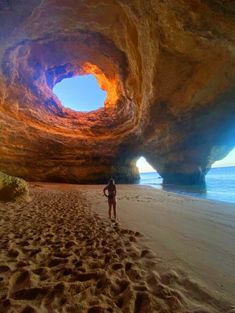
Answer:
[(100, 186), (219, 185), (152, 250), (184, 195)]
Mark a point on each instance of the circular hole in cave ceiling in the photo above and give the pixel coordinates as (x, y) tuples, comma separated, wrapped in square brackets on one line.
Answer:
[(80, 93)]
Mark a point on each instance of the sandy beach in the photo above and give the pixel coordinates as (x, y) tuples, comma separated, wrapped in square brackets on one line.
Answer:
[(168, 253)]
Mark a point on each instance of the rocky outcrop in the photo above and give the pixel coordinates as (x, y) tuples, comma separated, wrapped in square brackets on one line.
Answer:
[(12, 188), (169, 71)]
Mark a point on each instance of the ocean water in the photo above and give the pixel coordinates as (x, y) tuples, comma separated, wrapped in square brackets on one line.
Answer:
[(220, 185)]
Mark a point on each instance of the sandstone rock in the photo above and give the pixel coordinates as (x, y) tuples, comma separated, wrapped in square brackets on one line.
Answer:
[(169, 71), (12, 188)]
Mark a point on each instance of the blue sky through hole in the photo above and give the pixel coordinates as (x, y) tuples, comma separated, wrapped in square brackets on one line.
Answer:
[(80, 93), (229, 160)]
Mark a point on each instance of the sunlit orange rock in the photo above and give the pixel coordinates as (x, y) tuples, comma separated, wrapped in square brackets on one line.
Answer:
[(169, 71)]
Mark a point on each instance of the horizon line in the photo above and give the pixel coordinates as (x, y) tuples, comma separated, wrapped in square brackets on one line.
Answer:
[(211, 168)]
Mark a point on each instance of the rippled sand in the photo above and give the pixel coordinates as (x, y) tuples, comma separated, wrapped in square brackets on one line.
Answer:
[(57, 255)]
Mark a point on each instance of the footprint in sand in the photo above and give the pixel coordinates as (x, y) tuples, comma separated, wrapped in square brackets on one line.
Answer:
[(4, 268), (59, 256)]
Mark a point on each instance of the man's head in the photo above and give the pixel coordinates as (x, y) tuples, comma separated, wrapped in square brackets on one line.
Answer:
[(111, 182)]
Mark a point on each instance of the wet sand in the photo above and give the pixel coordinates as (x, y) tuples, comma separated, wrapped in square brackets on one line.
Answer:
[(59, 252)]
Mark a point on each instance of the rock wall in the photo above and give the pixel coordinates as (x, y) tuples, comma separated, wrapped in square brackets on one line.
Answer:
[(169, 71)]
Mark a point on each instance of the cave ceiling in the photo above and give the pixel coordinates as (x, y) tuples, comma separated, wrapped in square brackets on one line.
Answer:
[(168, 68)]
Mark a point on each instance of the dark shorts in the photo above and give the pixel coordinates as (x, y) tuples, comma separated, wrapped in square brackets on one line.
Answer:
[(111, 199)]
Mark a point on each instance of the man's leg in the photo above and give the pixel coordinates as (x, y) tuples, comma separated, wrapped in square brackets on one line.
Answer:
[(110, 207), (114, 210)]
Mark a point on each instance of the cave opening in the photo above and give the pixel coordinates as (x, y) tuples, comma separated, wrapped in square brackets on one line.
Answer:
[(220, 179), (80, 93), (148, 175), (227, 161), (144, 166)]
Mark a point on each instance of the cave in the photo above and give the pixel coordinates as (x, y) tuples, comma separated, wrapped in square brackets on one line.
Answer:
[(167, 68)]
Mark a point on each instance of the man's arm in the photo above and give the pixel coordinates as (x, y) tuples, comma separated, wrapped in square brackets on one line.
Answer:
[(104, 191)]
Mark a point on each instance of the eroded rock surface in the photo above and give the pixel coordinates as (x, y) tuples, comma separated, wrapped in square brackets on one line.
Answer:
[(12, 188), (169, 71)]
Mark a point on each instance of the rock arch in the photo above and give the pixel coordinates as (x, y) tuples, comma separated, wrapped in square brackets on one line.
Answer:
[(168, 69)]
